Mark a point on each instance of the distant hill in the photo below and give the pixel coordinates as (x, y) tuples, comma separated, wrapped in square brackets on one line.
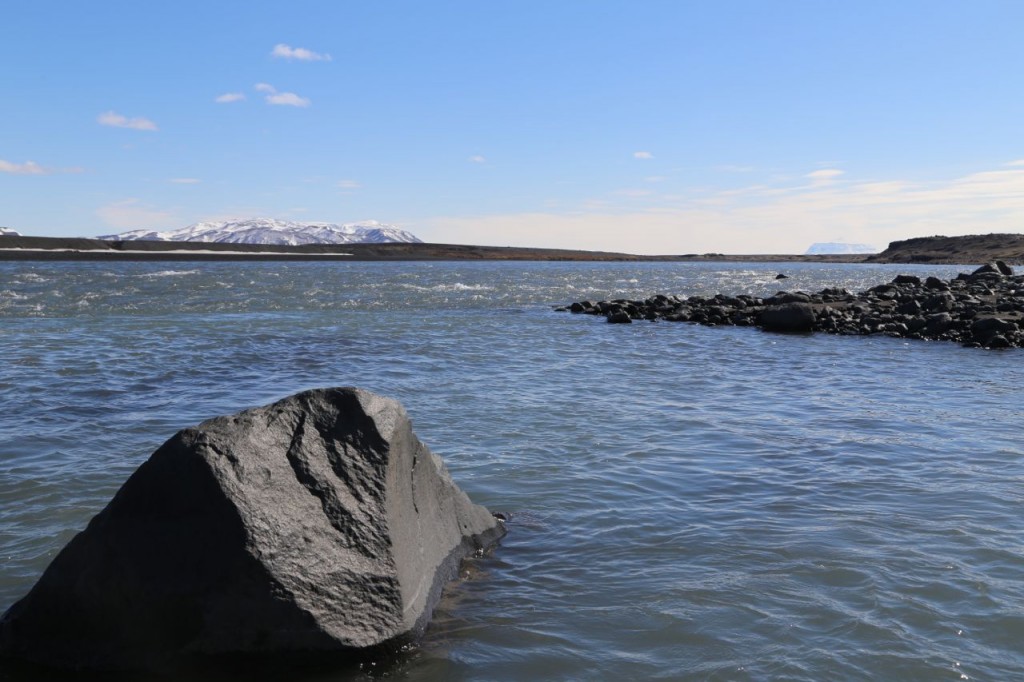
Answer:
[(274, 232), (838, 248), (8, 232), (970, 249)]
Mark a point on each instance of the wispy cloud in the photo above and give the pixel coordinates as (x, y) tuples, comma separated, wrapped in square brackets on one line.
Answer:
[(643, 155), (116, 120), (476, 158), (349, 184), (27, 168), (1018, 162), (282, 51), (289, 99), (765, 218), (825, 176), (33, 168), (186, 181), (272, 96), (133, 214), (229, 97)]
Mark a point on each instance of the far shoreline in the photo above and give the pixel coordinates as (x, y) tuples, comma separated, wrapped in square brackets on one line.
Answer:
[(928, 251)]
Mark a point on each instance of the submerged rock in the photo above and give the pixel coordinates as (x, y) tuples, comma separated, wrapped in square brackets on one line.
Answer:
[(319, 524)]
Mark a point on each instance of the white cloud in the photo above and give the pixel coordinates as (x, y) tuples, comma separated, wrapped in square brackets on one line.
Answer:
[(1018, 162), (132, 214), (765, 218), (289, 99), (348, 184), (476, 158), (33, 168), (643, 155), (186, 181), (825, 176), (229, 97), (283, 51), (27, 168), (113, 119)]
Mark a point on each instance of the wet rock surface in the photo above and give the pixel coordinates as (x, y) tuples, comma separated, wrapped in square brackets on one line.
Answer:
[(982, 309), (316, 526)]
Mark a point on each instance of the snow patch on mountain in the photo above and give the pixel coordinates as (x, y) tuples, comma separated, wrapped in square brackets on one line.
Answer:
[(838, 248), (8, 232), (274, 232)]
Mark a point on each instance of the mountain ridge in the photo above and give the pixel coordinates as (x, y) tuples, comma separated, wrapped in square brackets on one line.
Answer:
[(273, 232)]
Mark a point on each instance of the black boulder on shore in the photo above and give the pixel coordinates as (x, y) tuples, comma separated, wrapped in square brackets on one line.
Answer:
[(981, 309), (316, 527)]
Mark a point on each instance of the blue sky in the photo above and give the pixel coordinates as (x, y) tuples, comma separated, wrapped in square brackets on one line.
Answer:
[(649, 127)]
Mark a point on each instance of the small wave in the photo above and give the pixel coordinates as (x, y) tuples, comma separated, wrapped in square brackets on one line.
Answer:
[(456, 286), (169, 273)]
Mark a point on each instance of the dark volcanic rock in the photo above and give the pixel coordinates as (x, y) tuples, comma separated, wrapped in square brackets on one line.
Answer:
[(995, 267), (319, 525), (619, 317), (788, 317), (981, 309)]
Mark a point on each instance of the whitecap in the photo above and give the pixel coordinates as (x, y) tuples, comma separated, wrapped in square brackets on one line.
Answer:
[(169, 273)]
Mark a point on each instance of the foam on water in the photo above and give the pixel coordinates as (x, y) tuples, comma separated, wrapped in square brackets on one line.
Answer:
[(686, 502)]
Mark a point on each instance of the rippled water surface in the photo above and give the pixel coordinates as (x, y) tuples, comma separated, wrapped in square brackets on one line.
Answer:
[(688, 503)]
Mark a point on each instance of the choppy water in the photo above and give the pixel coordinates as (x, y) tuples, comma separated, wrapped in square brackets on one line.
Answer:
[(689, 503)]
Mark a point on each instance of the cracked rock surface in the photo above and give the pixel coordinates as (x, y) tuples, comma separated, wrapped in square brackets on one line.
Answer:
[(319, 524)]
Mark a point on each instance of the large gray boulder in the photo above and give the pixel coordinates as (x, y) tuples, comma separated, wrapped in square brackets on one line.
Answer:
[(316, 525)]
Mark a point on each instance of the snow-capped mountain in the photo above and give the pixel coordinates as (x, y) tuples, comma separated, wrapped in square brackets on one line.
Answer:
[(276, 232), (8, 232), (838, 249)]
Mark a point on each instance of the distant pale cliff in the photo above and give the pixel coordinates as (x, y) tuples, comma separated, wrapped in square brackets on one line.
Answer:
[(838, 248)]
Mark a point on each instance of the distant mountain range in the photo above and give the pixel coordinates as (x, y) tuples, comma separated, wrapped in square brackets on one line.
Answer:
[(838, 248), (274, 232), (8, 232)]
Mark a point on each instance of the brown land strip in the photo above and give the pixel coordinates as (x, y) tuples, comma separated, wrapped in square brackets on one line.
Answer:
[(954, 250)]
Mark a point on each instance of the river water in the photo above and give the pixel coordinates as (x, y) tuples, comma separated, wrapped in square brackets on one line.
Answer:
[(688, 503)]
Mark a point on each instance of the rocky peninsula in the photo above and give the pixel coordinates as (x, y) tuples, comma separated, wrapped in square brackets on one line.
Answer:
[(983, 309)]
